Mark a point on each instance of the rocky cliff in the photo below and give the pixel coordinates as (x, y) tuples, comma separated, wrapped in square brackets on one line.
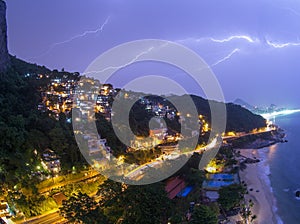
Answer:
[(4, 56)]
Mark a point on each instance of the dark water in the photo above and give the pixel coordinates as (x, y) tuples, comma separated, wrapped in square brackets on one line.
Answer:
[(284, 160)]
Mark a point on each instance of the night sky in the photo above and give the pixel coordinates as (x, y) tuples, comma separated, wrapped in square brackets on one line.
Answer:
[(253, 47)]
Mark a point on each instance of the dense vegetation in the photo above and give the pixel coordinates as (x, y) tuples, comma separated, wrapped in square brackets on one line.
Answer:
[(82, 208), (230, 196), (120, 203), (24, 131), (204, 215), (239, 119)]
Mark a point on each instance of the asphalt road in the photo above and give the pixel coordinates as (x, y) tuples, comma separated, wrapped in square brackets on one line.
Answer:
[(52, 218)]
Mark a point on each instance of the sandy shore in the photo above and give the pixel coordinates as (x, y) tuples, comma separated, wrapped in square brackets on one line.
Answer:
[(255, 178)]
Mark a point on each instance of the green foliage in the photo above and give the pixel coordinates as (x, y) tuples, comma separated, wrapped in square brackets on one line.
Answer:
[(145, 204), (80, 208), (134, 204), (23, 67), (106, 131), (139, 120), (33, 205), (23, 129), (108, 191), (230, 196), (176, 219), (142, 156), (204, 215), (240, 119), (195, 177)]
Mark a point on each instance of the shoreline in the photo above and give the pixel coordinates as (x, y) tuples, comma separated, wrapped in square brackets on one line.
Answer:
[(256, 178)]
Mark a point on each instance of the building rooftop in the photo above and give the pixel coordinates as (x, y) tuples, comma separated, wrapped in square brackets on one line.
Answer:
[(174, 186)]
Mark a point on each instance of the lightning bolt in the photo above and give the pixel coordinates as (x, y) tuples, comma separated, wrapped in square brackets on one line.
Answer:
[(147, 51), (226, 57), (121, 66), (282, 45), (256, 40), (251, 40), (243, 37), (228, 39), (100, 29)]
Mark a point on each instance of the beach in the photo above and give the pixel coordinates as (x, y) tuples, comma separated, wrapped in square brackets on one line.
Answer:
[(259, 188)]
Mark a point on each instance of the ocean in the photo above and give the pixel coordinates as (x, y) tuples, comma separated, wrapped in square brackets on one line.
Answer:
[(283, 169)]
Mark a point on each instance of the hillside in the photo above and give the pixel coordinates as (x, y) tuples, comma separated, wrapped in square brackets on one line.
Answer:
[(25, 132), (24, 128), (238, 118)]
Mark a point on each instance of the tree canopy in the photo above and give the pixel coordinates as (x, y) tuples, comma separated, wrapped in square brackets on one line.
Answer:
[(230, 196), (203, 214), (80, 208)]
